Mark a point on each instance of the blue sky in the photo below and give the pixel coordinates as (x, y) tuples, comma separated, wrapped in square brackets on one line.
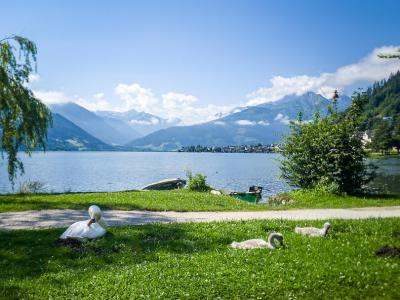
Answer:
[(188, 59)]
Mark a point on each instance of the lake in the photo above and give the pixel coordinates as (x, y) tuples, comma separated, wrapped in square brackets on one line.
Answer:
[(117, 171)]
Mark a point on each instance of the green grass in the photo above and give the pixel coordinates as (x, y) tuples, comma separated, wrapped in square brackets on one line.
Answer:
[(178, 200), (192, 261), (182, 200), (389, 154), (312, 199), (383, 156)]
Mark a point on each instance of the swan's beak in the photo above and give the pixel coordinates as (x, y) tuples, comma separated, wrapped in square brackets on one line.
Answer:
[(91, 221)]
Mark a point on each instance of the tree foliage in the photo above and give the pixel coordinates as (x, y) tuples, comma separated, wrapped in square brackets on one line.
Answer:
[(382, 113), (24, 119), (327, 151)]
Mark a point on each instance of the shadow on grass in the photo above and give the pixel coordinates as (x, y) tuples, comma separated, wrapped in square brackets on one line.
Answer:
[(29, 254)]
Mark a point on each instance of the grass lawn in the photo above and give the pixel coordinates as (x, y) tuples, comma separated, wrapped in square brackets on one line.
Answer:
[(178, 200), (312, 199), (378, 155), (192, 261), (182, 200), (391, 154)]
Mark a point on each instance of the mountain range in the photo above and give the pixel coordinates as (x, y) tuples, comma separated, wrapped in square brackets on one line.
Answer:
[(76, 128), (265, 124), (141, 122), (65, 135), (109, 130)]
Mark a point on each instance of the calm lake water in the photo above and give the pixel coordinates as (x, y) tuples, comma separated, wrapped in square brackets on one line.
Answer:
[(116, 171)]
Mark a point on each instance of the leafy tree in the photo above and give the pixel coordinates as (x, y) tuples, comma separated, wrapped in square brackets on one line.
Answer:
[(24, 119), (382, 136), (396, 134), (328, 151), (382, 113)]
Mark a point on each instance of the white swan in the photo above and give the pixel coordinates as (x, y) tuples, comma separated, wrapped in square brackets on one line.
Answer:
[(259, 243), (93, 228), (313, 231)]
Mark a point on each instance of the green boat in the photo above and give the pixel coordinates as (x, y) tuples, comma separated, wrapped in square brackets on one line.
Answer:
[(252, 196)]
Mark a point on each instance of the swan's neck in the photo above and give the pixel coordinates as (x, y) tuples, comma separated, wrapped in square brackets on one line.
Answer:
[(271, 241), (102, 223)]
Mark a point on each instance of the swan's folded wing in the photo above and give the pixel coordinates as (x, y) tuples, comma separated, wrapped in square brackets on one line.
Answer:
[(78, 230), (309, 231), (95, 231), (250, 244)]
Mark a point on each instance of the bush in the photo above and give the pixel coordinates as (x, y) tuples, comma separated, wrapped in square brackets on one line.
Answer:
[(325, 185), (32, 187), (327, 153), (197, 182)]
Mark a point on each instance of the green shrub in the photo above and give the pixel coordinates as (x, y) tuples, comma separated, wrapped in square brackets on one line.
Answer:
[(197, 182), (327, 152), (325, 185)]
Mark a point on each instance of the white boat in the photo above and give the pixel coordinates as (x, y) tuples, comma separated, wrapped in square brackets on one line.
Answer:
[(166, 184)]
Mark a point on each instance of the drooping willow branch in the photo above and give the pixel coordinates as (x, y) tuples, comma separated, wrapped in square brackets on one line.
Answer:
[(24, 119)]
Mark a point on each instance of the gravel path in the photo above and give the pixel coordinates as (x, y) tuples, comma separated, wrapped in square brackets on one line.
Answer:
[(36, 219)]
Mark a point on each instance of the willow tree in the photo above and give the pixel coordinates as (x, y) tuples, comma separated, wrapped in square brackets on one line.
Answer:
[(24, 119)]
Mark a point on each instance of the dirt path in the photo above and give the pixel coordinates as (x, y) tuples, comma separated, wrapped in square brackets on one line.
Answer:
[(62, 218)]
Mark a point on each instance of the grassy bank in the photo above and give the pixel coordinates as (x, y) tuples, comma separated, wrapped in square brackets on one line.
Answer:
[(183, 200), (389, 154), (192, 261), (312, 199), (383, 156), (178, 200)]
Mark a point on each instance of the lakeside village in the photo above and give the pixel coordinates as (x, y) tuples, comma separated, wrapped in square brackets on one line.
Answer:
[(259, 148)]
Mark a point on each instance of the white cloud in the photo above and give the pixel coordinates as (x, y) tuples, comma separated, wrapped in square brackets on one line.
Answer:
[(221, 123), (193, 115), (94, 105), (369, 69), (173, 100), (136, 97), (56, 97), (51, 97), (98, 96), (186, 109), (177, 108), (237, 109), (182, 106), (245, 122), (152, 121), (33, 78), (263, 123), (283, 119), (171, 105)]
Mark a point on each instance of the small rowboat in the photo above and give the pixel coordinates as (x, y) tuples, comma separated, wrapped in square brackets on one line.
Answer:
[(166, 184), (252, 196)]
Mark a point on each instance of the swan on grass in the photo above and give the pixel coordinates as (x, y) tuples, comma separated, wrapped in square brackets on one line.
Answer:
[(259, 243), (313, 231), (93, 228)]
